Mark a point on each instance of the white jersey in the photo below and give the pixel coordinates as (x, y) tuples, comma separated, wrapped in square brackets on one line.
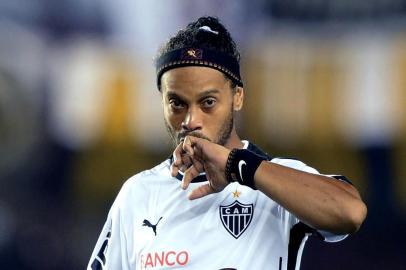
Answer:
[(153, 225)]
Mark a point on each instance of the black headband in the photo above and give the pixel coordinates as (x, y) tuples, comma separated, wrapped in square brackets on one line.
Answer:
[(199, 57)]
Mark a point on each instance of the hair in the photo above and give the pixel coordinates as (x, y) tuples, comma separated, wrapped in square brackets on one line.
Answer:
[(194, 36)]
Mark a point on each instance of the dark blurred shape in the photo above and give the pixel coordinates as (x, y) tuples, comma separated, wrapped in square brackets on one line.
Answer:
[(17, 124), (331, 10)]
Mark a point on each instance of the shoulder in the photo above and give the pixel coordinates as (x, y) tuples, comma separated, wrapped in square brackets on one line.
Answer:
[(288, 162), (294, 164), (158, 172), (143, 182)]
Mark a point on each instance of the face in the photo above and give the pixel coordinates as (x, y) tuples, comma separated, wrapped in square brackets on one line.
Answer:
[(199, 101)]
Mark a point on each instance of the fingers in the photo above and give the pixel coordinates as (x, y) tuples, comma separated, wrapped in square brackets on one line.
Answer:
[(181, 161), (201, 191), (192, 172), (187, 146), (187, 161), (177, 160), (190, 157), (184, 154), (191, 144)]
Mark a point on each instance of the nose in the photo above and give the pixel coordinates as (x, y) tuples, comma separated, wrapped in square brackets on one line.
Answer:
[(193, 120)]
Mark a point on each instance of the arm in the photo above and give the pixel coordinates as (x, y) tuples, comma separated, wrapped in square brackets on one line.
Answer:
[(110, 252), (321, 202)]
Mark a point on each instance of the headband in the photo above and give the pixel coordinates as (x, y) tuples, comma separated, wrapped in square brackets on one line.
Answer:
[(199, 57)]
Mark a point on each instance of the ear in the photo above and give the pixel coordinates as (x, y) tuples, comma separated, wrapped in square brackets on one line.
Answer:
[(238, 98)]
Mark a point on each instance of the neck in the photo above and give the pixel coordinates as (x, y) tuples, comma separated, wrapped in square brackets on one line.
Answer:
[(234, 141)]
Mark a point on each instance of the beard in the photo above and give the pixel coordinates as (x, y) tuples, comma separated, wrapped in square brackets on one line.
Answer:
[(221, 137)]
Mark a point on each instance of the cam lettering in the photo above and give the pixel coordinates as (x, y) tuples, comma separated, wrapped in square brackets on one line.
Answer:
[(244, 211), (236, 211), (168, 258)]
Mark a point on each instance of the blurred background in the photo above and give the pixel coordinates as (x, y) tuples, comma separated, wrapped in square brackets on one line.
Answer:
[(325, 82)]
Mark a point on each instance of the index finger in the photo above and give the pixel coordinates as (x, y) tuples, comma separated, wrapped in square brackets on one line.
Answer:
[(191, 143), (192, 172), (177, 159), (201, 191)]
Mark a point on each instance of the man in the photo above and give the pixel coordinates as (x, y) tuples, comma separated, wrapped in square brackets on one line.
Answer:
[(218, 202)]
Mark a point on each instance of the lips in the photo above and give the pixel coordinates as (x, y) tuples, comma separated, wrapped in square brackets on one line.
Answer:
[(183, 134)]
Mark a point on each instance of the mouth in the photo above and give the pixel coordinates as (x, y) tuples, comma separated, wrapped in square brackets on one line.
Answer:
[(183, 134)]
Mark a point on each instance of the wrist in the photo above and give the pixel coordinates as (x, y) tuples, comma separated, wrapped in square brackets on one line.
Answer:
[(241, 167)]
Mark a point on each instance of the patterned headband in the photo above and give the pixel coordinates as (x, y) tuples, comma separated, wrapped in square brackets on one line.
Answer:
[(199, 57)]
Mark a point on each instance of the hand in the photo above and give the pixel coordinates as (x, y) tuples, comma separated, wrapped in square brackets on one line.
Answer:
[(196, 155)]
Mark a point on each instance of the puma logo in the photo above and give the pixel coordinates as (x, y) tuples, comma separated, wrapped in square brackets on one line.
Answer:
[(149, 224)]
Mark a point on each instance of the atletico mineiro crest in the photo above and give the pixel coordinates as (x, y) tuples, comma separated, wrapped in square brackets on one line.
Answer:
[(236, 217)]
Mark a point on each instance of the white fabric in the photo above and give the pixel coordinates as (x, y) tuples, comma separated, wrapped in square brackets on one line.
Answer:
[(191, 234)]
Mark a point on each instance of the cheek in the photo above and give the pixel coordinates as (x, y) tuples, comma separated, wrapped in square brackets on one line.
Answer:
[(215, 121), (174, 120)]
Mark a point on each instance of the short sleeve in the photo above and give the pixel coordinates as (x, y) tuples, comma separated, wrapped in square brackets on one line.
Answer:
[(110, 250), (299, 165)]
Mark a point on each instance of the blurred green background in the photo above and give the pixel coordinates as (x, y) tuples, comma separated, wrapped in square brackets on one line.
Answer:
[(325, 82)]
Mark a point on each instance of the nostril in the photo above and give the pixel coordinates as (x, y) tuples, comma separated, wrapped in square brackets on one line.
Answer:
[(192, 121), (185, 127)]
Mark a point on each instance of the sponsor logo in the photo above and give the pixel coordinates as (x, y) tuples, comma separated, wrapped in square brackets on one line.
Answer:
[(164, 258), (152, 226), (236, 217)]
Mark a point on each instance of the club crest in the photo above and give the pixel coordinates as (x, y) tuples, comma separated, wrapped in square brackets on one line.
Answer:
[(236, 217)]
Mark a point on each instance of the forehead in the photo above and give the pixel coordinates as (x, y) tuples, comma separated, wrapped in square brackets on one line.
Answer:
[(193, 79)]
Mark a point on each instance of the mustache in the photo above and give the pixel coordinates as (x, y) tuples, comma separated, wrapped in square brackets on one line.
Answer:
[(183, 134)]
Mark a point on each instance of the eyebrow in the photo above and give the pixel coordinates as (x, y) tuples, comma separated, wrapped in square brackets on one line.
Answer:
[(172, 94), (208, 92)]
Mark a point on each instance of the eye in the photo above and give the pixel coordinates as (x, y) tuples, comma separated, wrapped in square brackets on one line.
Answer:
[(209, 102), (176, 104)]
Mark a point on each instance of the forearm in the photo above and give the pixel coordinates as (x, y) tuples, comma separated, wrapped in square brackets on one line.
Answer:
[(323, 203)]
